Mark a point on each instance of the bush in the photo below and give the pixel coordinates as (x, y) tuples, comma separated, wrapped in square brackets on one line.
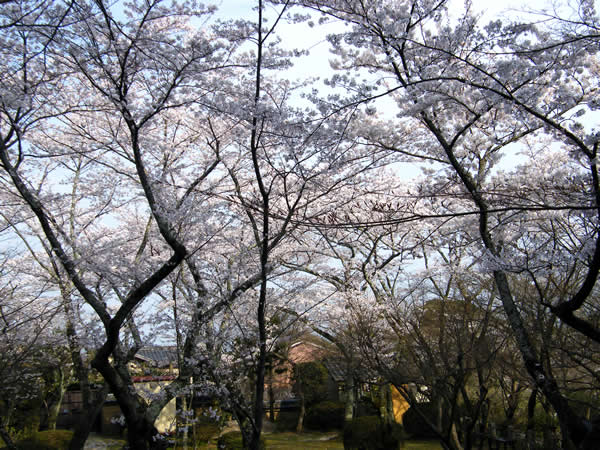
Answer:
[(370, 433), (366, 407), (287, 420), (46, 440), (233, 441), (325, 416), (25, 418), (415, 425), (310, 381)]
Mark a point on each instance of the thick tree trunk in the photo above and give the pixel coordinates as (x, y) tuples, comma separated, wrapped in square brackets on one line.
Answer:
[(86, 421), (389, 404), (143, 435), (385, 412), (54, 398), (187, 407), (246, 428), (454, 439), (300, 423), (350, 400), (570, 423), (53, 411), (271, 396), (531, 438), (259, 409), (141, 432)]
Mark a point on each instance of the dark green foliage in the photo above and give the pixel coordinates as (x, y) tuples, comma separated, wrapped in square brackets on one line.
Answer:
[(26, 416), (366, 407), (233, 441), (370, 433), (325, 416), (311, 382), (46, 440), (415, 425), (287, 420)]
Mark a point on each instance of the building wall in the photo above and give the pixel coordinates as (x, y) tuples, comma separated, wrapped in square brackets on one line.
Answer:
[(282, 382), (400, 405), (166, 421)]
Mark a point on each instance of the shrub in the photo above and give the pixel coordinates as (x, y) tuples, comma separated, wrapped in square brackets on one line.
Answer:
[(366, 407), (26, 418), (287, 420), (233, 441), (325, 416), (46, 440), (542, 420), (310, 381), (370, 433), (415, 425)]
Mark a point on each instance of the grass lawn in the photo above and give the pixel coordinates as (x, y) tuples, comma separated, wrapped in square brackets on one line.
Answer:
[(283, 441), (324, 441), (422, 445)]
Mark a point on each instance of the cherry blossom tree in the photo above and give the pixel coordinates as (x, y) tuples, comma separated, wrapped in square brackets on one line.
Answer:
[(464, 94), (114, 63), (151, 150), (153, 156), (33, 348)]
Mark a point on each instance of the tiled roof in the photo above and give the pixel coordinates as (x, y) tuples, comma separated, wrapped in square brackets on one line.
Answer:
[(336, 369), (158, 356)]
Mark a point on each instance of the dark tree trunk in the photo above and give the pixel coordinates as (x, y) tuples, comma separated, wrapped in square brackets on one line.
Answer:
[(87, 419), (300, 424), (350, 400), (56, 378), (141, 432), (271, 396)]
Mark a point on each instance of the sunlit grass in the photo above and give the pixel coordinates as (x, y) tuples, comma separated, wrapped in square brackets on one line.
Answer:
[(422, 445), (307, 441), (325, 441)]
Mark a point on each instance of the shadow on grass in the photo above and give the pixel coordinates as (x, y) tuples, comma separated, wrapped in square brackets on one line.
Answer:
[(330, 441), (294, 441)]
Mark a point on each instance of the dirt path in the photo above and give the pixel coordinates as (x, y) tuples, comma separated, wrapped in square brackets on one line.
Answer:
[(97, 442)]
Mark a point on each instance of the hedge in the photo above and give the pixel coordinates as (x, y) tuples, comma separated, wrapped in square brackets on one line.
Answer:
[(370, 433), (325, 416)]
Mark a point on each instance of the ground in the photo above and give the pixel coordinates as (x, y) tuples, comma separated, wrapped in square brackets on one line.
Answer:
[(281, 441)]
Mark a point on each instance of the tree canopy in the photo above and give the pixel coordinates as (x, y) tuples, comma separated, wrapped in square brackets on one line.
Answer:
[(166, 177)]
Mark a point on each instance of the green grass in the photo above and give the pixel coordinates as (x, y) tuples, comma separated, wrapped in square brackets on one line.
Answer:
[(422, 445), (322, 441), (44, 440), (308, 441)]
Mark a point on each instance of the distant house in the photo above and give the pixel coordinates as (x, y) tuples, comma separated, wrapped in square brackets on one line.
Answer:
[(280, 384), (338, 370), (149, 358)]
